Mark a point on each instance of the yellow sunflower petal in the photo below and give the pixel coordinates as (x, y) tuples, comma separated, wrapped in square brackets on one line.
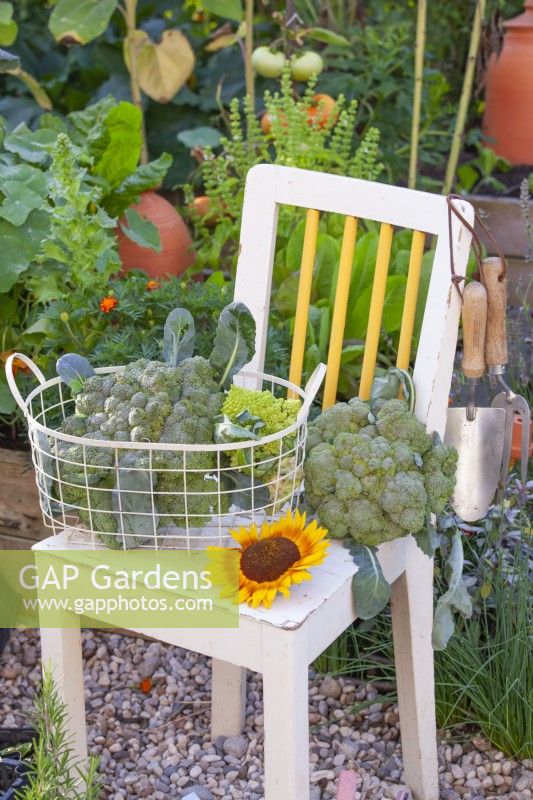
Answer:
[(312, 548)]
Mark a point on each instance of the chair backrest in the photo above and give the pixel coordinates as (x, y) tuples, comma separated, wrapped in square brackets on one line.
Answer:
[(269, 186)]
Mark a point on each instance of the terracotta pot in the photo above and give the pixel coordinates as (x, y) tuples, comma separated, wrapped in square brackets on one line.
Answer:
[(175, 255), (508, 119), (517, 438)]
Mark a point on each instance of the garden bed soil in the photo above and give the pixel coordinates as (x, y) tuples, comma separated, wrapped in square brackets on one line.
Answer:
[(21, 522)]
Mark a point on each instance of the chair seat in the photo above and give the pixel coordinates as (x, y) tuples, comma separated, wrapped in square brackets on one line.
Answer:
[(290, 614), (331, 582)]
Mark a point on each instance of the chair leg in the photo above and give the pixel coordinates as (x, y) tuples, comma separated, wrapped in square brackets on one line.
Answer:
[(412, 620), (228, 699), (286, 714), (61, 652)]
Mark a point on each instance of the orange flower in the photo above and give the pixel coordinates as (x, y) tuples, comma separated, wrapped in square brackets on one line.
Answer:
[(17, 363), (145, 685), (108, 303), (151, 285)]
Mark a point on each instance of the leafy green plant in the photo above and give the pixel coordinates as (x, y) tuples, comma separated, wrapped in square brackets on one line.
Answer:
[(157, 69), (76, 321), (478, 172), (79, 250), (286, 277), (54, 774)]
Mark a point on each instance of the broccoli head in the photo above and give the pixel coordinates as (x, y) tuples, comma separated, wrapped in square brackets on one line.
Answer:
[(147, 401), (374, 473)]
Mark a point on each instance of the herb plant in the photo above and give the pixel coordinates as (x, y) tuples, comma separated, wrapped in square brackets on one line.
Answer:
[(53, 773)]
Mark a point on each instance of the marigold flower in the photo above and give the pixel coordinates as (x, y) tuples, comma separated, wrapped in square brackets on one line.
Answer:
[(151, 285), (108, 303), (18, 364)]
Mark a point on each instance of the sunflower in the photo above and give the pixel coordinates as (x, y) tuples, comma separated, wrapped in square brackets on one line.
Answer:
[(278, 555)]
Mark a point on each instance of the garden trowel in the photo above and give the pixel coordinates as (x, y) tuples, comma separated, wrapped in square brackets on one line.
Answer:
[(476, 433), (496, 357)]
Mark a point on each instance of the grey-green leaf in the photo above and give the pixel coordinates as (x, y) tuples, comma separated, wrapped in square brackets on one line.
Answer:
[(202, 136), (455, 599), (234, 342), (133, 498), (387, 387), (74, 370), (228, 431), (428, 539), (141, 231), (30, 145), (371, 590), (178, 337)]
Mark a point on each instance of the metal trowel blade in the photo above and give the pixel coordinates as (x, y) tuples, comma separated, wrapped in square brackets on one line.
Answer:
[(480, 445), (517, 404)]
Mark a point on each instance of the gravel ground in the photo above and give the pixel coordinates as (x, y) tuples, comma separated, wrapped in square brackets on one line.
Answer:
[(157, 745)]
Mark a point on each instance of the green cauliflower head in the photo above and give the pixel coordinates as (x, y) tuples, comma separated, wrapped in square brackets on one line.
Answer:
[(372, 471)]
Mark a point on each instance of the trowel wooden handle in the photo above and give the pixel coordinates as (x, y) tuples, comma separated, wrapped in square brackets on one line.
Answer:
[(474, 326), (496, 337)]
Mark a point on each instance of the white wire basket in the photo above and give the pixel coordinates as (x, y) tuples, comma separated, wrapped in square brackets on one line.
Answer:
[(124, 494)]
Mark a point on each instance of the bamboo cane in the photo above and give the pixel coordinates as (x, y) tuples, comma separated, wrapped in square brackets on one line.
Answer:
[(248, 49), (466, 95), (130, 15), (417, 94)]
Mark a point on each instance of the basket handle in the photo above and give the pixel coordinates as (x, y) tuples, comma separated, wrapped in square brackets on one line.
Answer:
[(10, 375), (311, 388)]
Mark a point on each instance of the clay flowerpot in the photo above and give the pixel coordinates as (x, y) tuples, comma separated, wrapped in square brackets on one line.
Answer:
[(175, 255), (517, 438), (508, 120)]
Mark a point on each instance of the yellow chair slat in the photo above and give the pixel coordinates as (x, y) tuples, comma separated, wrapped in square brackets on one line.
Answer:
[(411, 297), (304, 296), (376, 310), (339, 311)]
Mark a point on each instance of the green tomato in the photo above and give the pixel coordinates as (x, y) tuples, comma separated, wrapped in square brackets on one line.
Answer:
[(306, 65), (267, 63)]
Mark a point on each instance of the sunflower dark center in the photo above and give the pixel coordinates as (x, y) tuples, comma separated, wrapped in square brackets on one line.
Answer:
[(268, 559)]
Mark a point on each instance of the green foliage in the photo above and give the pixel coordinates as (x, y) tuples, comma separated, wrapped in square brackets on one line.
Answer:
[(79, 251), (477, 172), (80, 20), (484, 677), (294, 140), (54, 773), (324, 285)]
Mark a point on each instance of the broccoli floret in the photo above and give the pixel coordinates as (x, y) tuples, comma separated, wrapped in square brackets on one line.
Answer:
[(440, 465), (346, 417), (395, 422), (372, 471)]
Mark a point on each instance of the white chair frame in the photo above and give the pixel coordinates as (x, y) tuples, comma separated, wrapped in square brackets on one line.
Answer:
[(282, 642)]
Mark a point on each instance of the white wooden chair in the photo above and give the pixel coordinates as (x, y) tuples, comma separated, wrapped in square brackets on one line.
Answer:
[(281, 642)]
